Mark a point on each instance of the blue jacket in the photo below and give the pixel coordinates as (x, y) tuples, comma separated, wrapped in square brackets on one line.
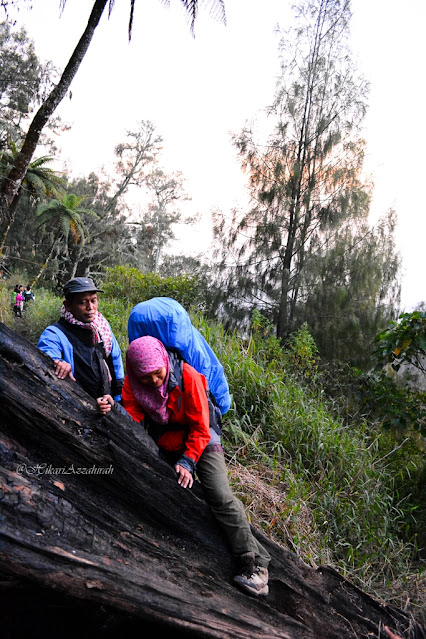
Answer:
[(56, 344), (165, 319)]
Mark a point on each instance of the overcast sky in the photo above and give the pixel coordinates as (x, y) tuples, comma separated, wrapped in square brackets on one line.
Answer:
[(198, 90)]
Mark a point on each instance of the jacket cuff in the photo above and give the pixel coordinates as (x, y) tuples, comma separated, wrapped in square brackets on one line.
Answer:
[(187, 462)]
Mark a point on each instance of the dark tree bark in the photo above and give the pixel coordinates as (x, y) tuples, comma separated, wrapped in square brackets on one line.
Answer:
[(12, 181), (90, 513)]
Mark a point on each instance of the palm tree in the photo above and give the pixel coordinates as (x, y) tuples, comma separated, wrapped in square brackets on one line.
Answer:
[(12, 180), (39, 181), (63, 216)]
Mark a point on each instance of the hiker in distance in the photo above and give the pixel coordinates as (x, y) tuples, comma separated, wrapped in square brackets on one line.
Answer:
[(83, 346), (175, 412)]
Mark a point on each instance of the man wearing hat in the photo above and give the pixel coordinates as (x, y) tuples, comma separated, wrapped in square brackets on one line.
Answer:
[(82, 344)]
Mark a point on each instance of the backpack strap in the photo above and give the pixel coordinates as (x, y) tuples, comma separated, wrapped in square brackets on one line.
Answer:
[(176, 369), (214, 413), (176, 379), (175, 372)]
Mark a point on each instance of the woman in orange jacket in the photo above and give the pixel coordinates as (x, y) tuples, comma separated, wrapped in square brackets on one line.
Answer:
[(178, 420)]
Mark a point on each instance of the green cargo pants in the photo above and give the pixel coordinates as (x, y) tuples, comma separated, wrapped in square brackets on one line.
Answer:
[(227, 509)]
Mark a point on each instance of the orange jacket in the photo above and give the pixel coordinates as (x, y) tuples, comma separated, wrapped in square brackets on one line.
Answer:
[(192, 412)]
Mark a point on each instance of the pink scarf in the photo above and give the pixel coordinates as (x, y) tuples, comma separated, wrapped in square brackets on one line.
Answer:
[(145, 355), (100, 328)]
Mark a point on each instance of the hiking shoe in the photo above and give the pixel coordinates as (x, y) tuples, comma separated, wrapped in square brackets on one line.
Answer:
[(252, 578)]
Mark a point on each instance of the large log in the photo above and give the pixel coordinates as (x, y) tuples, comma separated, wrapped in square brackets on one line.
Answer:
[(93, 522)]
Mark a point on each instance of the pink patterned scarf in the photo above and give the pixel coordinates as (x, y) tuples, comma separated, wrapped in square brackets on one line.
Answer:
[(101, 331), (145, 355)]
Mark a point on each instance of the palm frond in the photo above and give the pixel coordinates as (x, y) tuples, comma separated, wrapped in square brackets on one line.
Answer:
[(65, 224), (54, 206), (191, 7), (217, 10), (41, 161), (77, 232), (72, 201), (89, 213), (35, 184)]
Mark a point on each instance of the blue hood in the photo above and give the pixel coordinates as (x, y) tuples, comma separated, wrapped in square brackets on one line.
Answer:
[(167, 320)]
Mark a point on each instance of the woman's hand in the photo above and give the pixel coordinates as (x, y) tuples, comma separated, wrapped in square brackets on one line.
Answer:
[(105, 404), (185, 478)]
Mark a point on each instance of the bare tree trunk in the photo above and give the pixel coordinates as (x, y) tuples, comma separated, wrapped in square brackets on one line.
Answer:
[(9, 222), (76, 261), (12, 181), (44, 265), (89, 510)]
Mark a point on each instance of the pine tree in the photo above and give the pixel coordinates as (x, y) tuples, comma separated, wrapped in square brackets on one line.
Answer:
[(305, 181)]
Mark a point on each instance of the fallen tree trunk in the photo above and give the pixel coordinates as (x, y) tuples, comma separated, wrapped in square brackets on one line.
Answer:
[(92, 518)]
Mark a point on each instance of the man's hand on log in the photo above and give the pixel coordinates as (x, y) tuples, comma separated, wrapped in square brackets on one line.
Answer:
[(63, 369), (105, 404)]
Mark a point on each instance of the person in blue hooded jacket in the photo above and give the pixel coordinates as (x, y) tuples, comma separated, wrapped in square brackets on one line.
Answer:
[(167, 320), (83, 346)]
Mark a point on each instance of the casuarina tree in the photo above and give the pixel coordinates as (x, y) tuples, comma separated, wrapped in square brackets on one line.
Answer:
[(305, 179)]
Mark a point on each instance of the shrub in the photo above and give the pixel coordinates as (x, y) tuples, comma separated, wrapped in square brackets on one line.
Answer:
[(6, 309), (39, 314), (302, 353), (127, 283), (341, 471), (403, 342)]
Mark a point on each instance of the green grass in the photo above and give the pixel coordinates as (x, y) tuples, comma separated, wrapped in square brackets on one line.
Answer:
[(337, 479)]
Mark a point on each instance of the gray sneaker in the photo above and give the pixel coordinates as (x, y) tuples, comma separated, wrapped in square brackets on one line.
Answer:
[(252, 578)]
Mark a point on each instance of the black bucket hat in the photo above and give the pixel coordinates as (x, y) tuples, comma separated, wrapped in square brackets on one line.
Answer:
[(81, 285)]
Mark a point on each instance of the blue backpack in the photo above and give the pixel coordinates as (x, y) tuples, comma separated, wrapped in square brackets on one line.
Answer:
[(168, 321)]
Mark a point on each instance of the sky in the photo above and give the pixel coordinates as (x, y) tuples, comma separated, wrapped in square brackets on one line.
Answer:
[(198, 90)]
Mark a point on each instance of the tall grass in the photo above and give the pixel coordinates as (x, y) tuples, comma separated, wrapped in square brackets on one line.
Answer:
[(336, 480)]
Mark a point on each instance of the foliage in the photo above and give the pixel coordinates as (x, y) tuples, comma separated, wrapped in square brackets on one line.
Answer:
[(401, 409), (67, 212), (352, 290), (102, 234), (303, 251), (110, 238), (23, 81), (306, 178), (341, 472), (302, 353), (262, 328), (403, 342), (156, 225), (39, 181), (375, 399), (331, 488), (40, 313), (5, 304), (133, 156), (127, 283), (65, 215), (173, 265)]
